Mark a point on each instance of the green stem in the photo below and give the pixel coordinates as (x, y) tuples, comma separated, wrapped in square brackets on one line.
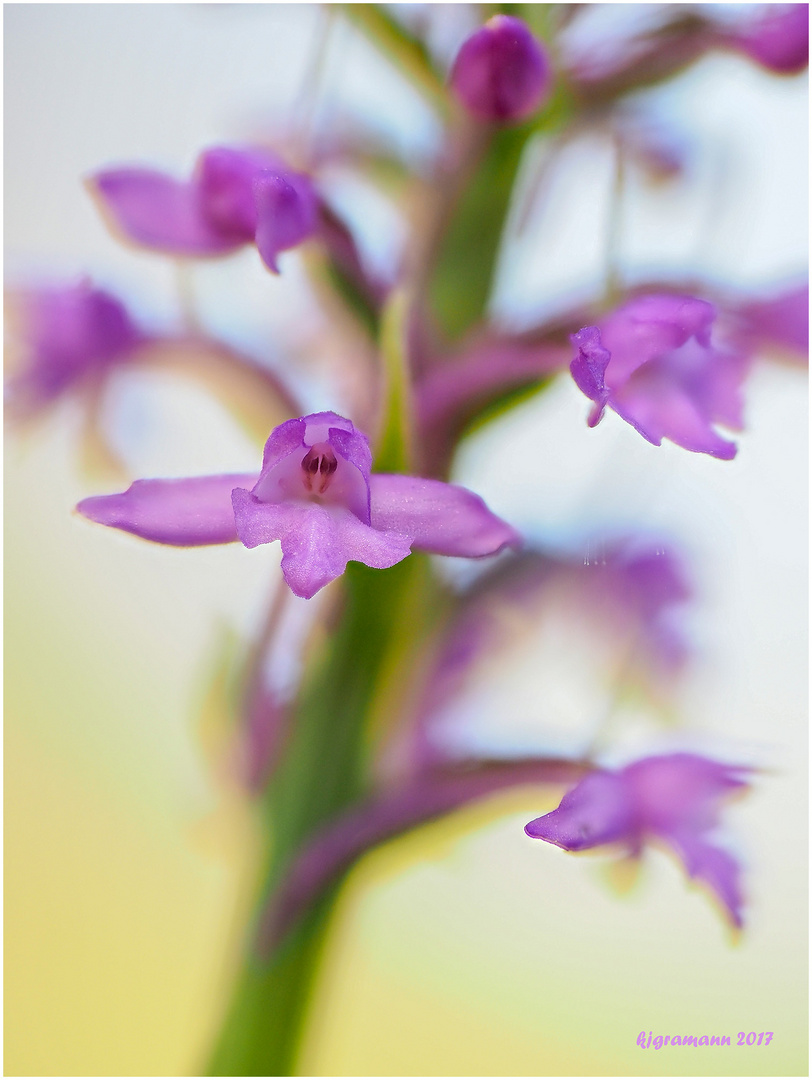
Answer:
[(324, 771), (261, 1034), (462, 276), (472, 225)]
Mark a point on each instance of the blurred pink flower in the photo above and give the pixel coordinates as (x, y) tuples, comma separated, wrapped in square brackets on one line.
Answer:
[(235, 197), (777, 38), (69, 335), (779, 322), (653, 363), (674, 798), (502, 72)]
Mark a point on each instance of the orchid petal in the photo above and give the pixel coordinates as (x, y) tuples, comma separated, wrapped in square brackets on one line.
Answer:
[(780, 321), (597, 811), (282, 475), (185, 513), (676, 792), (286, 213), (313, 495), (225, 176), (353, 447), (713, 866), (648, 326), (161, 213), (658, 410), (317, 541), (441, 518), (318, 425), (589, 369), (282, 441)]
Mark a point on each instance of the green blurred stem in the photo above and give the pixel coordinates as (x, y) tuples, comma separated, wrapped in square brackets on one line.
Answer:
[(325, 770), (465, 264), (395, 445)]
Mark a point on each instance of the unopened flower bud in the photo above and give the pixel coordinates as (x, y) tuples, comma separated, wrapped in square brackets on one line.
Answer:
[(502, 72), (778, 38)]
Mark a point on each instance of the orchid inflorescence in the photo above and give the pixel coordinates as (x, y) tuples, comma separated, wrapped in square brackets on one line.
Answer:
[(353, 500)]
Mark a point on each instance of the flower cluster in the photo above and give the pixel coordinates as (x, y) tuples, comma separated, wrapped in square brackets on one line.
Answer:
[(354, 750)]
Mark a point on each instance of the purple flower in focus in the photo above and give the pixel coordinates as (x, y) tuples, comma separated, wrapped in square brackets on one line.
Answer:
[(69, 335), (235, 197), (778, 39), (502, 72), (315, 494), (653, 363), (674, 798)]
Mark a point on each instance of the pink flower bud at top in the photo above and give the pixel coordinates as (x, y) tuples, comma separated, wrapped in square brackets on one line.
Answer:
[(502, 72), (778, 38)]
